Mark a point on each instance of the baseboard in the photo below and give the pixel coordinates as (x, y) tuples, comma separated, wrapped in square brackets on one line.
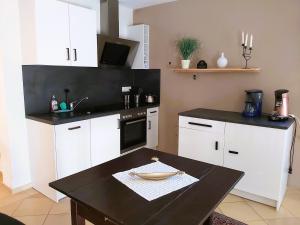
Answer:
[(255, 198), (20, 189)]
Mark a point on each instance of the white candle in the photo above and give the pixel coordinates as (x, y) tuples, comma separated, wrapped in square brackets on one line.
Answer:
[(243, 38), (246, 41), (251, 41)]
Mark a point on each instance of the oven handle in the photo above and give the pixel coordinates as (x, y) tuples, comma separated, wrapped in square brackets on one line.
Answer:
[(136, 121)]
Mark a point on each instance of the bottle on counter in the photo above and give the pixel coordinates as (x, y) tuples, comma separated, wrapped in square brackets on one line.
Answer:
[(53, 104)]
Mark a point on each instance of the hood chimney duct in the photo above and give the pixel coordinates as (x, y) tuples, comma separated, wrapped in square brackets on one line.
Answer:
[(109, 17)]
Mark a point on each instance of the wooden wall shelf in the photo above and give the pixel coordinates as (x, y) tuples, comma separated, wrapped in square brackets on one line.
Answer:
[(218, 70)]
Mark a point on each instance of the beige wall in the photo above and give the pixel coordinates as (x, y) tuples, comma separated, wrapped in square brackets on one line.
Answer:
[(218, 24)]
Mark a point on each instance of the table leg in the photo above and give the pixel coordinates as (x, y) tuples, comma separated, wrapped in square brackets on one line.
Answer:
[(208, 221), (76, 218)]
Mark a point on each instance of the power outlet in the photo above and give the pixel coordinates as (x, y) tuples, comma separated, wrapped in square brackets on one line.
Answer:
[(126, 89)]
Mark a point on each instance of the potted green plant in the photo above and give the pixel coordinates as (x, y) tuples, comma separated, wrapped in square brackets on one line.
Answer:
[(186, 47)]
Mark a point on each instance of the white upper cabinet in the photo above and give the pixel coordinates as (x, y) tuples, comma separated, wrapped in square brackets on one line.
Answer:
[(105, 139), (58, 33), (141, 34), (52, 33), (83, 36)]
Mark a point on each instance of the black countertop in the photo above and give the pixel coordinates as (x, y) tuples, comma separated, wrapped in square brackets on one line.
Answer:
[(61, 118), (236, 117)]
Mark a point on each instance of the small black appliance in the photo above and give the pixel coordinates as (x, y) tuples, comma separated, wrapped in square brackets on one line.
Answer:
[(253, 103)]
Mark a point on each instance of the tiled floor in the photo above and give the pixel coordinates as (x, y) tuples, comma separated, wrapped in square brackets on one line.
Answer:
[(33, 208)]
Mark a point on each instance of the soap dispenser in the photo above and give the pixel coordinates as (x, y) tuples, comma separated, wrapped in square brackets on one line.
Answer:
[(53, 104)]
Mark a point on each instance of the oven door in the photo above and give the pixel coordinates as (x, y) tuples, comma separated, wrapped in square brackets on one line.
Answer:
[(133, 134)]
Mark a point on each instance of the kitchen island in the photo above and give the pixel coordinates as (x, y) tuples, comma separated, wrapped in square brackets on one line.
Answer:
[(231, 140)]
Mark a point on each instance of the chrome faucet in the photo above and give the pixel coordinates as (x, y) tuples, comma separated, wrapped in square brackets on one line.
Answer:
[(77, 102)]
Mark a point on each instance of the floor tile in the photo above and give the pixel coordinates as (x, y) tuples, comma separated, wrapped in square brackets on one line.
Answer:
[(34, 206), (32, 220), (62, 207), (233, 198), (4, 191), (19, 196), (9, 209), (268, 212), (292, 203), (218, 210), (59, 219), (88, 223), (286, 221), (258, 222), (239, 211)]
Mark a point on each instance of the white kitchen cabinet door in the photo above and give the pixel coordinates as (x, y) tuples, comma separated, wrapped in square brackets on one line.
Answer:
[(72, 147), (257, 151), (105, 139), (52, 33), (83, 36), (201, 145), (152, 132), (152, 128)]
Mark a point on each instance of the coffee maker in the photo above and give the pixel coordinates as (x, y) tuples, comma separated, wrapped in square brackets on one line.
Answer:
[(280, 112), (253, 103)]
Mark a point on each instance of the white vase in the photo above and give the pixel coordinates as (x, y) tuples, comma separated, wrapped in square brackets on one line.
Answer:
[(185, 64), (222, 61)]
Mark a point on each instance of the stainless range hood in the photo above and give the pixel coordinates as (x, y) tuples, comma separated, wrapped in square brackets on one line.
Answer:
[(113, 51)]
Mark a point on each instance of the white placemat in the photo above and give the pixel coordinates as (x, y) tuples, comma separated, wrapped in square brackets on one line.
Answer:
[(151, 190)]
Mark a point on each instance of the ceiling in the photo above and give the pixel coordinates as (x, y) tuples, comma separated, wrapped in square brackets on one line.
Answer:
[(136, 4)]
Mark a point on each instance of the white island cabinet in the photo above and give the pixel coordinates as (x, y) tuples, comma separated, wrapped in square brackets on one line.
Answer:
[(261, 152)]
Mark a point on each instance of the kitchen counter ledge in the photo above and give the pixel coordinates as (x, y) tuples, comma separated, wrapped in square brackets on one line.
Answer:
[(62, 118), (236, 117)]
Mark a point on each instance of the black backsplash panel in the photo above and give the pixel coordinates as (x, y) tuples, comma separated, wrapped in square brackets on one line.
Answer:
[(102, 86)]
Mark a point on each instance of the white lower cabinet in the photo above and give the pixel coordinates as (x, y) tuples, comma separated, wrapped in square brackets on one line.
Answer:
[(261, 152), (57, 151), (72, 146), (152, 128), (105, 139)]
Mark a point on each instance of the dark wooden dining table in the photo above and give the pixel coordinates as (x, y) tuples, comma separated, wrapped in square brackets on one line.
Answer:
[(101, 199)]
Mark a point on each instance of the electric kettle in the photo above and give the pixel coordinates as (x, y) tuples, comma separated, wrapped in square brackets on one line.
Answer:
[(150, 98)]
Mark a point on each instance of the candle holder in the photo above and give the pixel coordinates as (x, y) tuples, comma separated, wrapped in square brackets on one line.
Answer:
[(246, 54)]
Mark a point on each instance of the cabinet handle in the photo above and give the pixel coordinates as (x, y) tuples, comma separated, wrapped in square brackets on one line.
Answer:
[(153, 112), (75, 54), (216, 145), (150, 125), (68, 53), (119, 124), (233, 152), (109, 220), (74, 128), (200, 124), (136, 121)]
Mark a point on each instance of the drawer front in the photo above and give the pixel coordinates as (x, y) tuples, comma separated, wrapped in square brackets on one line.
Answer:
[(201, 124), (153, 111)]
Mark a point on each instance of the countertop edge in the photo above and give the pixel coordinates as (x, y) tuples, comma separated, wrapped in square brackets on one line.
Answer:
[(186, 114), (82, 117)]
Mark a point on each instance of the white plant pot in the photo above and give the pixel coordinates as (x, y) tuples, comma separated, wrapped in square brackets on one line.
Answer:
[(222, 61), (185, 64)]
